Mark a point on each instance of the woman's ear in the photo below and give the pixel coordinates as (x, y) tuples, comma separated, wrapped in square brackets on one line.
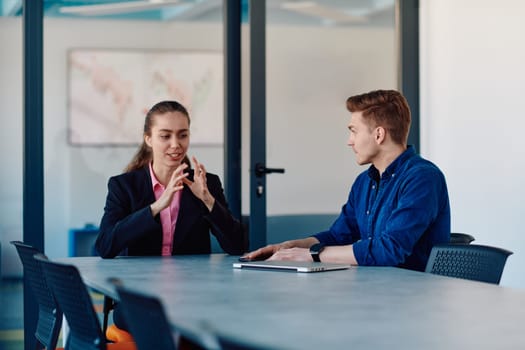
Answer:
[(147, 140)]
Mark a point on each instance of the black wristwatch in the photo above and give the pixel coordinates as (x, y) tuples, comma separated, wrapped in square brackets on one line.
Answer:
[(316, 250)]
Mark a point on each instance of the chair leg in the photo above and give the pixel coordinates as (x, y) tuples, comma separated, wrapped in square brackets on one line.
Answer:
[(186, 344), (108, 306)]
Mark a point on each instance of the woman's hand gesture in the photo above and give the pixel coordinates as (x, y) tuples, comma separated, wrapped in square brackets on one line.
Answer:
[(174, 185), (199, 186)]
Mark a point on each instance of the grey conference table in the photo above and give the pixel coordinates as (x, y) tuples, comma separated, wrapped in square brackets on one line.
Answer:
[(359, 308)]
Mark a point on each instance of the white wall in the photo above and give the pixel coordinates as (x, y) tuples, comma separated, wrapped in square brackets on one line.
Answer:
[(10, 139), (308, 83), (472, 117)]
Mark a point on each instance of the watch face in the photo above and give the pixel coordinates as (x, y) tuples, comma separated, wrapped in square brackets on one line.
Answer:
[(315, 250)]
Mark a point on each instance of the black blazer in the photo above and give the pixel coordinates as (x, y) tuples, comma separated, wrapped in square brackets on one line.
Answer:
[(128, 227)]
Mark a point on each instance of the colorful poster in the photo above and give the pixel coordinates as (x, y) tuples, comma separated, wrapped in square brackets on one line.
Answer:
[(110, 92)]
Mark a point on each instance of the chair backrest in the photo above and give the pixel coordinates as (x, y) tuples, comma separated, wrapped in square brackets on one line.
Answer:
[(461, 238), (468, 261), (49, 313), (74, 300), (146, 320)]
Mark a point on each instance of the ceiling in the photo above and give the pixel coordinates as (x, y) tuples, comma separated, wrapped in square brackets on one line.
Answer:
[(296, 12)]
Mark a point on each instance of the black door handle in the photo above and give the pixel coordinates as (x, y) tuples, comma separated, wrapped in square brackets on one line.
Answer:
[(261, 170)]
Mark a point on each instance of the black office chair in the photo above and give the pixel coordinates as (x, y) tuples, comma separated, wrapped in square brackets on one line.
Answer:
[(468, 261), (461, 238), (149, 324), (73, 298), (151, 329), (49, 314)]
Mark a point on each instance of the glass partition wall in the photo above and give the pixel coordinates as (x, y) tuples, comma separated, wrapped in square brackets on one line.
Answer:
[(105, 65), (318, 53), (11, 142)]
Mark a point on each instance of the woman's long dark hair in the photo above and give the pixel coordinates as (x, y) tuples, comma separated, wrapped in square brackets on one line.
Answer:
[(144, 155)]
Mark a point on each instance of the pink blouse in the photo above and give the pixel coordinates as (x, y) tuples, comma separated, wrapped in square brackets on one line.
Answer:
[(168, 216)]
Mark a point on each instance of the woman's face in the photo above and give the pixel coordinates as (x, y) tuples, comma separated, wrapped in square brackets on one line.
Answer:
[(169, 139)]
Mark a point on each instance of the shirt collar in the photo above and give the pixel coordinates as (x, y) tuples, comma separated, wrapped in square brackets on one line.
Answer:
[(390, 171), (154, 181)]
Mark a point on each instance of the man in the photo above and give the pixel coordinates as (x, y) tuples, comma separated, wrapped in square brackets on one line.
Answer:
[(397, 210)]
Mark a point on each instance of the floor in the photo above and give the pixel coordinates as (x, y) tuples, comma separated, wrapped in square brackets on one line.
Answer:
[(12, 315)]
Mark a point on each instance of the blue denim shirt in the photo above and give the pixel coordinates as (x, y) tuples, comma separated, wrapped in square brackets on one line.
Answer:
[(394, 219)]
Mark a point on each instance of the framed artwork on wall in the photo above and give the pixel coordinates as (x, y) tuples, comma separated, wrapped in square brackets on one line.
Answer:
[(110, 92)]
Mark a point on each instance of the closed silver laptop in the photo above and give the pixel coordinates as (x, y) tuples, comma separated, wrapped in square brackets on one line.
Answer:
[(297, 266)]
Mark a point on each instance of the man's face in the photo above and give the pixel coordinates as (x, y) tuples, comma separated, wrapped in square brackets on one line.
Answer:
[(362, 139)]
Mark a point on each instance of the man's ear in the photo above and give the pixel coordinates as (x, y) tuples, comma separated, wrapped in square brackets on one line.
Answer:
[(380, 134)]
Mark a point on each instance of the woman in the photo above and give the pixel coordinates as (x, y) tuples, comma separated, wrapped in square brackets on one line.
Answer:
[(160, 206)]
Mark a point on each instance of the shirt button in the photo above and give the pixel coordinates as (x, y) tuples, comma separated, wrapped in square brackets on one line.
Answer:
[(393, 175), (368, 212), (374, 186)]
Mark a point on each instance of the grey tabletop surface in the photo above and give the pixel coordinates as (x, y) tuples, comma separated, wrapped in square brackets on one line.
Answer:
[(358, 308)]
